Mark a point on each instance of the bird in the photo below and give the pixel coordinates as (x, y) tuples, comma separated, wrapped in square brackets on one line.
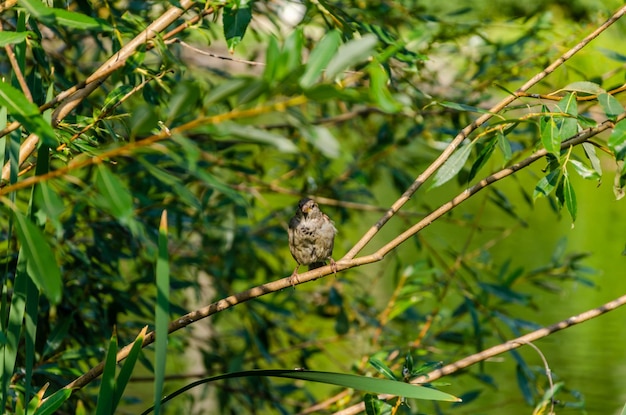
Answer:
[(311, 237)]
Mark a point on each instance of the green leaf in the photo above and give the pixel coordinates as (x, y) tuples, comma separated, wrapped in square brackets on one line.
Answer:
[(40, 262), (610, 105), (253, 134), (590, 152), (319, 58), (291, 56), (376, 406), (550, 134), (36, 8), (183, 97), (9, 38), (568, 126), (373, 385), (504, 146), (76, 20), (143, 120), (322, 139), (350, 54), (27, 114), (584, 171), (162, 311), (482, 158), (617, 141), (107, 386), (272, 61), (226, 89), (127, 368), (382, 368), (570, 197), (584, 87), (114, 97), (462, 107), (54, 402), (115, 197), (546, 184), (235, 21), (379, 92), (452, 166)]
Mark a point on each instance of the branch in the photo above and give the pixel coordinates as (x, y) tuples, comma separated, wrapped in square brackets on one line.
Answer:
[(464, 133), (74, 96), (501, 348)]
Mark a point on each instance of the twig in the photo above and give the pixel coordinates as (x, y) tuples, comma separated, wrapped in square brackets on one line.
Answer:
[(315, 274), (501, 348), (469, 129)]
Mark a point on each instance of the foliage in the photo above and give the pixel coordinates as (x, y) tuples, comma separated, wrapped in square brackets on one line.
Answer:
[(125, 111)]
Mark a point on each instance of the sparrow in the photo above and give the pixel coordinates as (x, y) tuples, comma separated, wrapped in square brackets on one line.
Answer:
[(311, 237)]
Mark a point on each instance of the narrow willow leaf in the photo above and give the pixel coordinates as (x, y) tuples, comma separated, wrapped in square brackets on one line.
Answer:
[(568, 126), (350, 54), (272, 60), (379, 91), (291, 56), (40, 262), (162, 311), (235, 21), (322, 139), (619, 183), (610, 105), (26, 113), (54, 402), (114, 196), (382, 368), (76, 20), (617, 141), (590, 152), (504, 146), (482, 158), (319, 58), (462, 107), (584, 171), (584, 87), (184, 96), (570, 197), (546, 184), (127, 368), (367, 384), (452, 166), (550, 135), (226, 90), (107, 386), (10, 38), (253, 134)]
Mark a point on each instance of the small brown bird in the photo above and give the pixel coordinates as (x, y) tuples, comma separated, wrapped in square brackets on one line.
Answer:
[(311, 237)]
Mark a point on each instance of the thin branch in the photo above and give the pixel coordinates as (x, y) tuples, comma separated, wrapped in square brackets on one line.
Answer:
[(287, 283), (502, 348), (464, 133)]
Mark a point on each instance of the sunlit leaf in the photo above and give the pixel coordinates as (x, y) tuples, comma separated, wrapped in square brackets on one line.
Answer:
[(184, 96), (462, 107), (568, 126), (253, 134), (40, 262), (546, 184), (8, 38), (504, 146), (610, 105), (114, 195), (319, 58), (550, 135), (590, 152), (350, 54), (26, 113), (483, 157), (570, 197), (584, 87), (617, 141), (452, 166), (235, 21), (379, 90), (584, 171), (322, 139), (382, 368)]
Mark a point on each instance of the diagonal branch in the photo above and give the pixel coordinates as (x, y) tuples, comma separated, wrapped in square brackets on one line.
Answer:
[(502, 348), (287, 283), (465, 132)]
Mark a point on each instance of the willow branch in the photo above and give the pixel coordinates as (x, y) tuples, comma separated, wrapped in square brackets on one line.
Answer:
[(464, 133), (502, 348), (287, 283)]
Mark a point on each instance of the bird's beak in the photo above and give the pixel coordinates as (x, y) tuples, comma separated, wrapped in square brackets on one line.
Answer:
[(305, 209)]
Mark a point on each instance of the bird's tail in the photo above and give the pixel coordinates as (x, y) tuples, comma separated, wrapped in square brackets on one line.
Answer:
[(316, 265)]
